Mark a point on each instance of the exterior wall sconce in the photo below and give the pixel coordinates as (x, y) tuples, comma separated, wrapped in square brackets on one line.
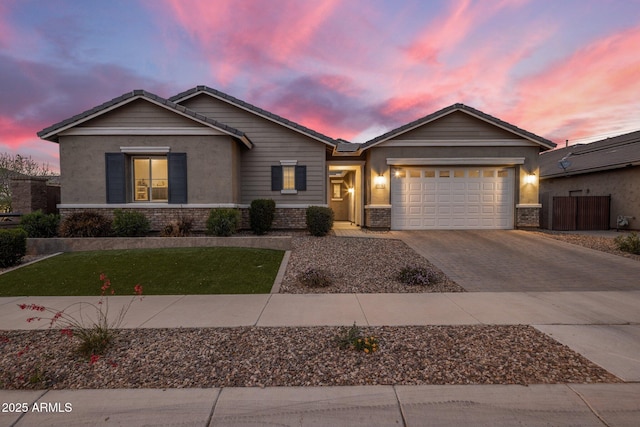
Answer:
[(530, 178), (350, 190), (380, 181)]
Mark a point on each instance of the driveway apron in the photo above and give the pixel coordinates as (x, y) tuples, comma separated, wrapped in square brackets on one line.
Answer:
[(517, 261)]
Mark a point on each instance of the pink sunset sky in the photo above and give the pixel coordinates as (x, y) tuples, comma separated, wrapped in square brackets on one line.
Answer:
[(562, 69)]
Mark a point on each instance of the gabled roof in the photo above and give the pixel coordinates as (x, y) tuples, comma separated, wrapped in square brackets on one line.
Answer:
[(611, 153), (253, 109), (52, 132), (545, 143)]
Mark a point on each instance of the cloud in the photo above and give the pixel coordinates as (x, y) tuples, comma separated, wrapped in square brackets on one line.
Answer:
[(239, 36), (329, 104), (586, 93), (41, 95), (447, 32)]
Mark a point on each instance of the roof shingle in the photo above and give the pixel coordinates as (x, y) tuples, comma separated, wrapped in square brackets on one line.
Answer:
[(606, 154)]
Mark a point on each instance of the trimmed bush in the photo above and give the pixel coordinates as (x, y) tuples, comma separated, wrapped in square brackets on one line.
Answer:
[(417, 276), (319, 220), (630, 243), (39, 224), (223, 222), (181, 228), (314, 278), (13, 246), (85, 224), (261, 214), (130, 223)]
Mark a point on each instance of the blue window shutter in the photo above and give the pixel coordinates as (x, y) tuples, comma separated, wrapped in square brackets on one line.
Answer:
[(301, 178), (177, 164), (276, 178), (116, 181)]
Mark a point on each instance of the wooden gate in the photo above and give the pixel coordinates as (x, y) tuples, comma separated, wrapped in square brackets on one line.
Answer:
[(581, 213)]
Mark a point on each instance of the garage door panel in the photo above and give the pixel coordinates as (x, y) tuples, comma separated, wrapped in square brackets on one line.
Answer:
[(453, 198)]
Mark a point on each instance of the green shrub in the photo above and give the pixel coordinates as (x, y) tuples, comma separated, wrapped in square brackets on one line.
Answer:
[(417, 276), (314, 278), (261, 214), (39, 224), (223, 222), (13, 246), (181, 228), (319, 220), (85, 224), (130, 223), (630, 243)]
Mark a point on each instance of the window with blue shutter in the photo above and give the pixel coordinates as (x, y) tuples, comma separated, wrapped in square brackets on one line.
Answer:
[(177, 177), (116, 180), (288, 178)]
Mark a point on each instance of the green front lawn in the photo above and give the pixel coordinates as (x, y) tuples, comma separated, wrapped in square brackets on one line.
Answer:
[(178, 271)]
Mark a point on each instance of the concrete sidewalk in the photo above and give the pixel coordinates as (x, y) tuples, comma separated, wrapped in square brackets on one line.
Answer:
[(490, 405), (602, 326)]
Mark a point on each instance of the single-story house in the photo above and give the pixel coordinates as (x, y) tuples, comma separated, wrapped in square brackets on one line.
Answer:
[(201, 149), (609, 167)]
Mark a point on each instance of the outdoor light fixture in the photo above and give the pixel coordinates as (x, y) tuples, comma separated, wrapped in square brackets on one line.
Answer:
[(350, 190), (530, 178), (380, 181)]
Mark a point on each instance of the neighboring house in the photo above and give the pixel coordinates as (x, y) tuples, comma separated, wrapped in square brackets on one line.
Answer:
[(609, 167), (201, 149)]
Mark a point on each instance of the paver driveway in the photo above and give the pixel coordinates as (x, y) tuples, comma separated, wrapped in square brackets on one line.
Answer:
[(517, 261)]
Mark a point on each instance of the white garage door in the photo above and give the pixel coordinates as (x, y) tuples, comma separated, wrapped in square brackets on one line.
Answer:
[(452, 198)]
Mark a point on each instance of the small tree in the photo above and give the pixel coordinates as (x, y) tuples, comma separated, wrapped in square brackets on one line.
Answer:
[(15, 166)]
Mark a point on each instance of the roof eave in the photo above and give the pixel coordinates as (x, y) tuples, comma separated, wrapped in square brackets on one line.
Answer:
[(198, 90), (56, 129), (467, 110), (591, 170)]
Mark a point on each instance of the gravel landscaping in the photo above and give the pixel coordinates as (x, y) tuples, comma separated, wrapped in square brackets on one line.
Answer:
[(248, 357), (599, 243), (357, 265), (309, 356)]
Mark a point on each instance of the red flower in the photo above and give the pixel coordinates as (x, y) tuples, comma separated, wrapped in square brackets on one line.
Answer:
[(94, 358), (68, 332), (137, 289)]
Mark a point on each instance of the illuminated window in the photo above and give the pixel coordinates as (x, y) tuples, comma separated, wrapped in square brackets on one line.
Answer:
[(150, 179), (288, 177)]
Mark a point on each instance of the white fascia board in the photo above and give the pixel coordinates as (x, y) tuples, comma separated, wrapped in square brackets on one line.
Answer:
[(455, 161), (145, 150), (377, 206), (142, 131), (458, 143), (529, 205)]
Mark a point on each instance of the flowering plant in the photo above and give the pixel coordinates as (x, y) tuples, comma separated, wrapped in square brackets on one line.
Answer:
[(95, 334), (353, 338)]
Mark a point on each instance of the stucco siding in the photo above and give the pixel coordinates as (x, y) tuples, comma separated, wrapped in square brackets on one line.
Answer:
[(140, 113), (272, 143), (457, 125), (622, 184), (210, 171)]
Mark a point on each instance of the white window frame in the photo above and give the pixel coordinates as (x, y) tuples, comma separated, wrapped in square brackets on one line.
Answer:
[(288, 165), (149, 189)]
